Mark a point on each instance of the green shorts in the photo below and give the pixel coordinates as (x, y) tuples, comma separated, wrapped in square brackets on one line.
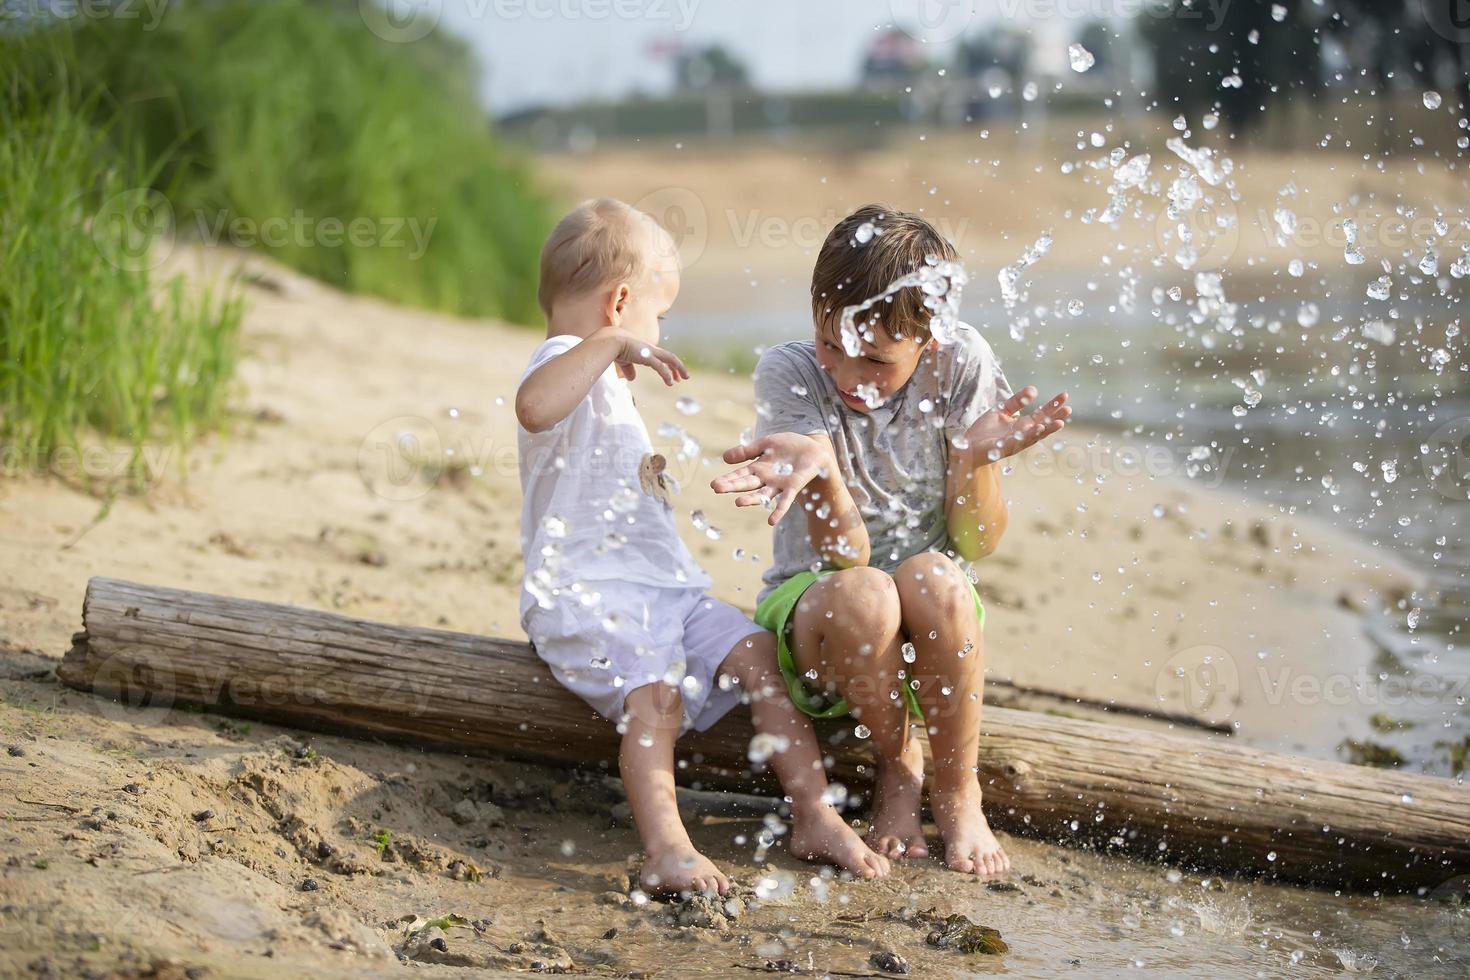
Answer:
[(774, 613)]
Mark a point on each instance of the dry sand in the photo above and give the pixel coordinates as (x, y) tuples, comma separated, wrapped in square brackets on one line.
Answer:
[(128, 838)]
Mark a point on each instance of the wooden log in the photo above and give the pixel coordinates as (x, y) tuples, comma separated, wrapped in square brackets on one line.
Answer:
[(1195, 801)]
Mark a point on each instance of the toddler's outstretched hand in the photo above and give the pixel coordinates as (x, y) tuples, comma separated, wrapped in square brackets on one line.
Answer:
[(633, 351), (1004, 431)]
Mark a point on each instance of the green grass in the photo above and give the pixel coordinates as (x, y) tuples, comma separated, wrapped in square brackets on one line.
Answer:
[(88, 339), (277, 115)]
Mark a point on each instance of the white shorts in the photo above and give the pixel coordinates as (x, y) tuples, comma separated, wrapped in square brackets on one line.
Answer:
[(619, 636)]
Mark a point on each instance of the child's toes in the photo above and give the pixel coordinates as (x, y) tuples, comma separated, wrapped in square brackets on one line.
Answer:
[(887, 845), (877, 864), (964, 863), (916, 848)]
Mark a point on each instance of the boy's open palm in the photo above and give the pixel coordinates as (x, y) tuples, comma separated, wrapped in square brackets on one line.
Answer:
[(1004, 431), (778, 467)]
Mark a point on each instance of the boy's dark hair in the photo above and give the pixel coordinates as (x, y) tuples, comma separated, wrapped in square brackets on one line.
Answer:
[(852, 267)]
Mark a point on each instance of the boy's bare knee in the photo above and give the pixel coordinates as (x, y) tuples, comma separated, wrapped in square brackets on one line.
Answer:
[(863, 600), (933, 588)]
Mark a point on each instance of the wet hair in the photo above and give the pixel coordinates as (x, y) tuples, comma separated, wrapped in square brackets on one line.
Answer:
[(600, 242), (854, 265)]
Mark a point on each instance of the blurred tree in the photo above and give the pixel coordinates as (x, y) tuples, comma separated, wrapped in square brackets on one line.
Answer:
[(1100, 41), (1243, 55), (709, 67), (1237, 56), (1005, 48)]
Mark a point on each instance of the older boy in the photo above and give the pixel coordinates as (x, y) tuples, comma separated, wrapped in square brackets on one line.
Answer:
[(612, 599), (888, 440)]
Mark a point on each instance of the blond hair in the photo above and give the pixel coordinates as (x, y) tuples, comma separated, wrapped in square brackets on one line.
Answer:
[(600, 241)]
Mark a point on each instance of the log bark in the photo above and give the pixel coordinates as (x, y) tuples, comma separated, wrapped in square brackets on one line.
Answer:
[(1191, 800)]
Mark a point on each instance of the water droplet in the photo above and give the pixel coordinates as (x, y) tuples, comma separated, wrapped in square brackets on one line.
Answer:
[(1431, 100), (764, 745), (625, 500), (835, 795), (909, 653), (1080, 58), (687, 406), (862, 731)]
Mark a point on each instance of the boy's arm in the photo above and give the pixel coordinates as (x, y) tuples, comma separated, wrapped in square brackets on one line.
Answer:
[(975, 511), (554, 389), (784, 468)]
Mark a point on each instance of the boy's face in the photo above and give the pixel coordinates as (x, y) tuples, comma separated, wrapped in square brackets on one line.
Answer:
[(880, 369)]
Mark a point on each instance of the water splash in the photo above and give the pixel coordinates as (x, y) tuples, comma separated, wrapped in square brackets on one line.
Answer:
[(942, 284)]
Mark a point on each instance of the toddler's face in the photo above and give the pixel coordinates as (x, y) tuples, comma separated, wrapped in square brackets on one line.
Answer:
[(880, 369), (651, 297)]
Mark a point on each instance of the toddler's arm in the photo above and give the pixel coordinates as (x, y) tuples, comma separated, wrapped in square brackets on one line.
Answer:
[(785, 467), (559, 385)]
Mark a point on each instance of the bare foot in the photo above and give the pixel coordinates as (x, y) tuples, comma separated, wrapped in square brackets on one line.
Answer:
[(822, 835), (681, 869), (897, 830), (969, 845)]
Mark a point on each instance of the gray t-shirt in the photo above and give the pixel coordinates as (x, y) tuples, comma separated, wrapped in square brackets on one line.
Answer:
[(893, 459)]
